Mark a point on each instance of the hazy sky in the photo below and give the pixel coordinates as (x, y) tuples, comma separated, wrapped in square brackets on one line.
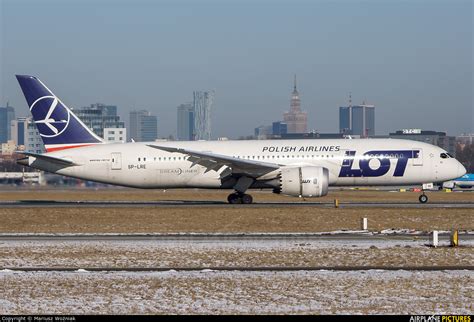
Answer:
[(412, 59)]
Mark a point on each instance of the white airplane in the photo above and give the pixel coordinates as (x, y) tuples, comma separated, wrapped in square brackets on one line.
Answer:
[(300, 168), (464, 182)]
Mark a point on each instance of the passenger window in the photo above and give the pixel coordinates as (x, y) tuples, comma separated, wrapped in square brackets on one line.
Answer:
[(139, 159)]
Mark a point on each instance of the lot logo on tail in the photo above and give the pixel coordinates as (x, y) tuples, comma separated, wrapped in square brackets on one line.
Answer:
[(379, 167), (51, 116)]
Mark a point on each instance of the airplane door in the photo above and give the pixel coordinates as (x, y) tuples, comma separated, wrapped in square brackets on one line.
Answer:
[(417, 156), (116, 159)]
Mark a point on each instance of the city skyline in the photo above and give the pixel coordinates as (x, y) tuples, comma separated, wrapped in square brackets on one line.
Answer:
[(418, 74)]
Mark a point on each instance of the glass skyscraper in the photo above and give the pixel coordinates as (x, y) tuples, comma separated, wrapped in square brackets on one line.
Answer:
[(357, 120), (185, 122), (202, 104), (7, 114), (99, 116), (143, 126)]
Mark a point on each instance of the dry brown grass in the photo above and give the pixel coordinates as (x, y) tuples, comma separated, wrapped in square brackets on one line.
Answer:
[(152, 254), (223, 219), (124, 194), (238, 293)]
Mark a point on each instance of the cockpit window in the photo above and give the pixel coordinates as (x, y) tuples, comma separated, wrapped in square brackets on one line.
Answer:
[(443, 156)]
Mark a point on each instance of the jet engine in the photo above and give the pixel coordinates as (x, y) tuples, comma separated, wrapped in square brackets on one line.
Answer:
[(306, 181)]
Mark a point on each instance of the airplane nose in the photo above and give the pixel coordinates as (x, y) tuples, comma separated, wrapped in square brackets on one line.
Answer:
[(461, 170)]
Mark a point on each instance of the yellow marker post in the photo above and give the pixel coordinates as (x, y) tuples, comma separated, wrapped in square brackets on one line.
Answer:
[(336, 203), (454, 238)]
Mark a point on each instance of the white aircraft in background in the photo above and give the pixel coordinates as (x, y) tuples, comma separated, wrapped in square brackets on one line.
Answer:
[(300, 168)]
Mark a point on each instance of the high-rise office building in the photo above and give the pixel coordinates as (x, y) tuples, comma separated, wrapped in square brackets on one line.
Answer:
[(295, 118), (26, 136), (279, 128), (99, 116), (18, 129), (357, 120), (33, 141), (431, 137), (185, 122), (7, 114), (202, 114), (115, 135), (143, 126), (263, 132), (465, 139)]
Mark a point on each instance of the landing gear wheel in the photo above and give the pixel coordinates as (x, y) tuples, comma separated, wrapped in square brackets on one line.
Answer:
[(247, 199), (423, 198), (234, 198)]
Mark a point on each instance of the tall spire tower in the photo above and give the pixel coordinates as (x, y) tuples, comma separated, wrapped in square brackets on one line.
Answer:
[(295, 118)]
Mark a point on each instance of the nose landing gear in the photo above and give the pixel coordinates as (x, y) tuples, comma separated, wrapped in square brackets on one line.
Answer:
[(423, 198), (426, 186), (239, 198)]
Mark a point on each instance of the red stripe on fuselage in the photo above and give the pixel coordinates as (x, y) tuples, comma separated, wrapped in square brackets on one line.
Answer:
[(59, 148)]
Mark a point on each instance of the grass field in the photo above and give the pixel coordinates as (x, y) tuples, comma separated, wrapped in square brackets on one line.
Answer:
[(124, 194), (301, 292), (225, 219), (235, 292)]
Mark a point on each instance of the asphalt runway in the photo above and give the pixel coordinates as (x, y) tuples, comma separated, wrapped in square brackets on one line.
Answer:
[(360, 238), (350, 236), (239, 269), (220, 204)]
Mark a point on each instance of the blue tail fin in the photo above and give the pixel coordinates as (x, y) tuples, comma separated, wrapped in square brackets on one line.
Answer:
[(58, 126)]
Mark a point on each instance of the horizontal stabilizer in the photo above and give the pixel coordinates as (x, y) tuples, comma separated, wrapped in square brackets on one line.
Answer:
[(56, 160)]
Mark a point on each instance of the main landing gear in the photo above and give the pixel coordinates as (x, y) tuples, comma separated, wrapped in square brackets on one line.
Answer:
[(239, 198)]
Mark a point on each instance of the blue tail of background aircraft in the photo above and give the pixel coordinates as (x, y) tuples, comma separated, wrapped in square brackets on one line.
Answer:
[(58, 126)]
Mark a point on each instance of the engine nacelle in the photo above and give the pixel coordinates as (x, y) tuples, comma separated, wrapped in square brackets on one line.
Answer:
[(304, 181)]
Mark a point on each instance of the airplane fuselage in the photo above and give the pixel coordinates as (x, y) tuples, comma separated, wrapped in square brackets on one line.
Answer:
[(349, 162)]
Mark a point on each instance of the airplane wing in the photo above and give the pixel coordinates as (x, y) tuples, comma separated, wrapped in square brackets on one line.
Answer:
[(213, 161), (45, 157)]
